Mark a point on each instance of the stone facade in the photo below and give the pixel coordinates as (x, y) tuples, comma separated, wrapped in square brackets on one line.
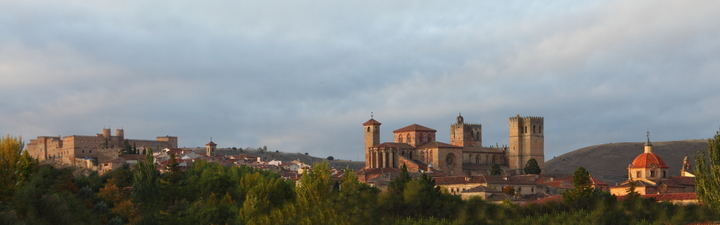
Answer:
[(415, 146), (526, 141), (77, 149)]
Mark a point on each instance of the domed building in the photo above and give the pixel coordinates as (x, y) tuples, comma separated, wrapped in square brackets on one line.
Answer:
[(647, 166), (648, 173)]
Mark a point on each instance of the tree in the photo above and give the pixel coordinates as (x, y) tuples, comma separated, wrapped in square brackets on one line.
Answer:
[(583, 194), (330, 158), (496, 170), (707, 172), (25, 166), (10, 149), (532, 167), (146, 187)]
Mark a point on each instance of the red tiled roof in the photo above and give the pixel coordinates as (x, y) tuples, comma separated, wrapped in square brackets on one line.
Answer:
[(459, 180), (379, 170), (414, 127), (437, 144), (648, 160), (393, 145), (682, 181), (371, 122), (516, 179)]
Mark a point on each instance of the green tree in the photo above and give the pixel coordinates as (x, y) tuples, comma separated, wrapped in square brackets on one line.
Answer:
[(582, 193), (25, 166), (10, 152), (532, 167), (707, 172), (146, 187), (496, 170)]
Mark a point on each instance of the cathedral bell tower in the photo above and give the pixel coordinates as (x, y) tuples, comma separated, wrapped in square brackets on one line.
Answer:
[(465, 135), (371, 131), (527, 141)]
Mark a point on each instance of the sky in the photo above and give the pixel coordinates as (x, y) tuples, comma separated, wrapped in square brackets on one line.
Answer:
[(302, 76)]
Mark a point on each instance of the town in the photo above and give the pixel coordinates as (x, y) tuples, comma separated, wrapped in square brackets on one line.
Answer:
[(464, 167)]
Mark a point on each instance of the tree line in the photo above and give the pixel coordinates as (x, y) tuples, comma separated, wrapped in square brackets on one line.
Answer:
[(209, 193)]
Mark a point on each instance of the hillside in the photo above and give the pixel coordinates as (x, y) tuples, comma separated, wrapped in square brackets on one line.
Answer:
[(283, 156), (608, 162)]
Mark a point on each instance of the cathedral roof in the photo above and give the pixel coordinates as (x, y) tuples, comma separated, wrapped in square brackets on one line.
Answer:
[(394, 145), (647, 160), (211, 143), (371, 122), (414, 127), (437, 144)]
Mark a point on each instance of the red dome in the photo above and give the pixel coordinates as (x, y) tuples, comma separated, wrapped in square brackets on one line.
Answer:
[(648, 160)]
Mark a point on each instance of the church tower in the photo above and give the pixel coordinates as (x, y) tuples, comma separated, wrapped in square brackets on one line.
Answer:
[(371, 131), (527, 142), (465, 135), (210, 148)]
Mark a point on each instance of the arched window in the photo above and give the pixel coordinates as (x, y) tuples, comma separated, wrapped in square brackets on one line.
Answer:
[(400, 139), (652, 173), (477, 159), (368, 129), (637, 174), (407, 138), (534, 129), (664, 173)]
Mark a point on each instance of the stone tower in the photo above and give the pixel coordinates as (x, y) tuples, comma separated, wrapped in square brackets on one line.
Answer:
[(371, 131), (210, 148), (465, 135), (526, 141)]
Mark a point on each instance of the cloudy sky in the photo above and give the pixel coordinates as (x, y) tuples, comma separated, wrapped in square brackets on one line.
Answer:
[(301, 75)]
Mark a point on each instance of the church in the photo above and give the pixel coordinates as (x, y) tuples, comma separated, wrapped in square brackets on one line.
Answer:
[(416, 147)]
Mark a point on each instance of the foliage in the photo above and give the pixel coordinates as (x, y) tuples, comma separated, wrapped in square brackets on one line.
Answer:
[(532, 167), (496, 170), (10, 165), (208, 193), (707, 172)]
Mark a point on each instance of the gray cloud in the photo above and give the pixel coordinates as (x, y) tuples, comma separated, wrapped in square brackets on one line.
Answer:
[(301, 76)]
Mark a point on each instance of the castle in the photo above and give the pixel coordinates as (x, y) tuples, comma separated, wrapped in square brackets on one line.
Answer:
[(72, 150), (415, 146)]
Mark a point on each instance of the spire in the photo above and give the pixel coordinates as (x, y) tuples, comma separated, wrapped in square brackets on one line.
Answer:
[(371, 115), (648, 148), (460, 118)]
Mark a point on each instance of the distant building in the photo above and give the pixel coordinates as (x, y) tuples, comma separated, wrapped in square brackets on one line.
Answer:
[(647, 174), (415, 146), (85, 151)]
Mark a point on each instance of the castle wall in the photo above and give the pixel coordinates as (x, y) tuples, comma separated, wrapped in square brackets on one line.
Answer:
[(101, 146)]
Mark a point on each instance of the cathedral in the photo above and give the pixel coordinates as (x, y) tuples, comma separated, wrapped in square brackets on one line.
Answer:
[(415, 146)]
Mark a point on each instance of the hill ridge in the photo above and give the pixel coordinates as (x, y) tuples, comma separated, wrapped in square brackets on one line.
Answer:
[(608, 162)]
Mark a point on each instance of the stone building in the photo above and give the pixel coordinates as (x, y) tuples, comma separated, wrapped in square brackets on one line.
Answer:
[(78, 149), (415, 146), (647, 173)]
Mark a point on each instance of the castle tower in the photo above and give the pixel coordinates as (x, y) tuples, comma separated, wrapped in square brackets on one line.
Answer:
[(210, 148), (465, 135), (120, 133), (106, 132), (371, 131), (526, 141)]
